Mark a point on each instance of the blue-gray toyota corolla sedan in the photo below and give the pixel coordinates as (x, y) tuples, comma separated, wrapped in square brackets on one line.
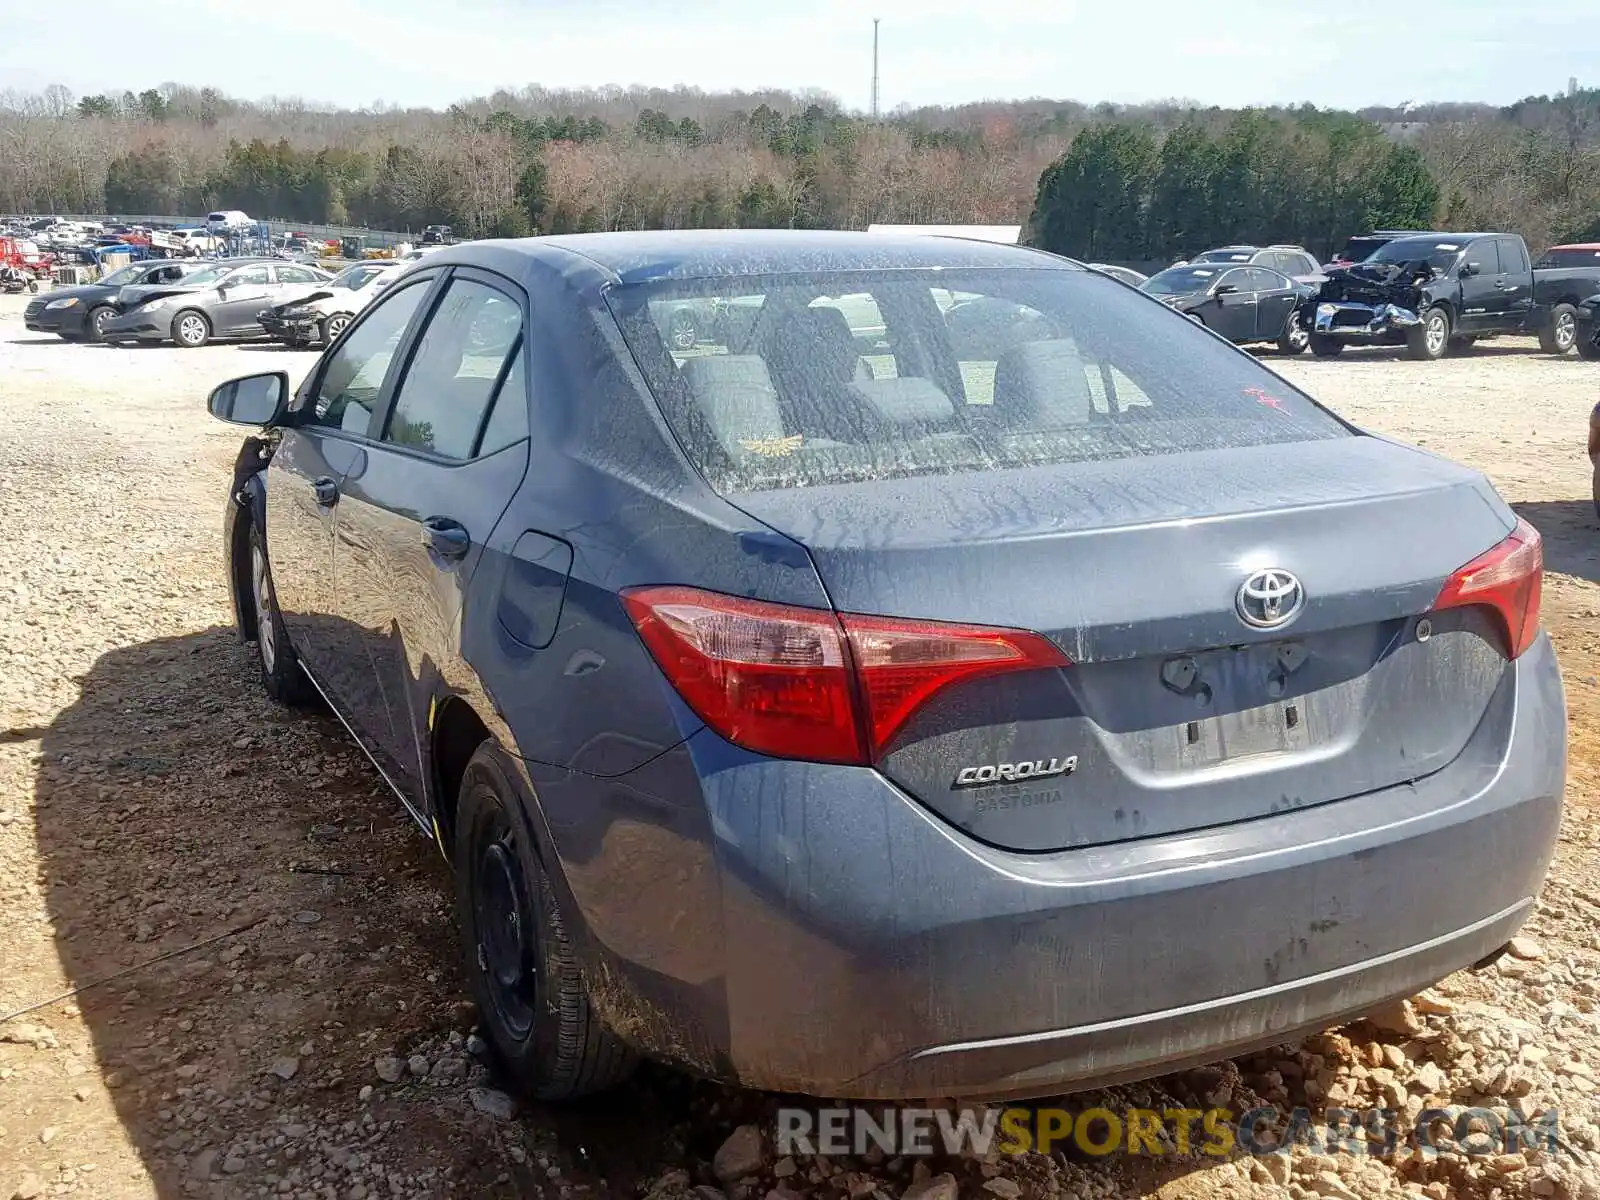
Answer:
[(895, 667)]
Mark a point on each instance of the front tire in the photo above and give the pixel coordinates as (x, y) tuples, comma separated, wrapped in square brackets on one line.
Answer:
[(190, 329), (535, 1009), (281, 675), (1430, 341), (1324, 346), (1560, 333), (1587, 339), (94, 325), (332, 326), (1295, 336)]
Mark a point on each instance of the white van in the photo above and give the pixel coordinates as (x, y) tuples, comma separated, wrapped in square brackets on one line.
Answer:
[(228, 221)]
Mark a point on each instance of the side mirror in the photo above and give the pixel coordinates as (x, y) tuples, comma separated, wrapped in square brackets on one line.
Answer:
[(1225, 289), (1471, 268), (252, 399)]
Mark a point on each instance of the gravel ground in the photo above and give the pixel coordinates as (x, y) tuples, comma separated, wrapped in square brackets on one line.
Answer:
[(320, 1046)]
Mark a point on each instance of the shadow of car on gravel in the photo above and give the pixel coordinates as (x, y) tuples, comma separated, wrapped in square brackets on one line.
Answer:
[(176, 803), (181, 813), (1571, 535)]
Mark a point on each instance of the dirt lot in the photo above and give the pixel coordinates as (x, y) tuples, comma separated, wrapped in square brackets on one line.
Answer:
[(151, 798)]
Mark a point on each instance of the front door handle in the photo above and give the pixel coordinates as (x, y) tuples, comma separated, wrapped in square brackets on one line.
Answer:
[(446, 538), (327, 492)]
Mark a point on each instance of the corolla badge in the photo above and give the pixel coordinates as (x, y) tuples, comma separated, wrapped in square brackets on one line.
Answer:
[(1269, 598), (1014, 772)]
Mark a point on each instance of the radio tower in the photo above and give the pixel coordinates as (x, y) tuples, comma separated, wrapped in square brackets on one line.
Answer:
[(874, 68)]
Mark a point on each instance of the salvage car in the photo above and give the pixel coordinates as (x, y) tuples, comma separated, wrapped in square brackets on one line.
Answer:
[(322, 314), (1586, 327), (80, 314), (997, 726), (1437, 292), (1243, 304), (222, 300)]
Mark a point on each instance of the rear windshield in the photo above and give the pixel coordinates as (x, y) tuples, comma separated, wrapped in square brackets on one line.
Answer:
[(1179, 281), (1570, 256), (1358, 248), (805, 379)]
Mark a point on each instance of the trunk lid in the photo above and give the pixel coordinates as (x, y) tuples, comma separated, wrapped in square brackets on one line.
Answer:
[(1175, 714)]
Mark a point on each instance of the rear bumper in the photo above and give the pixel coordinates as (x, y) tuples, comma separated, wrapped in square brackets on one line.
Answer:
[(1350, 320), (810, 928)]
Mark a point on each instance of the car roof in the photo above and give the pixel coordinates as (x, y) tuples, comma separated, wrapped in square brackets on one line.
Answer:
[(645, 256), (1424, 235)]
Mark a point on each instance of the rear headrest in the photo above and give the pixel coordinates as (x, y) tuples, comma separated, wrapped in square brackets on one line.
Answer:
[(820, 339), (906, 401), (736, 395), (1041, 385)]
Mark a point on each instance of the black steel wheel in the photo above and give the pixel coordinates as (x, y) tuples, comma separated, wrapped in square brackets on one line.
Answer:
[(537, 1014)]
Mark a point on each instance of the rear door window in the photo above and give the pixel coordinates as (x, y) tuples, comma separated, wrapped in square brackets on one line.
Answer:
[(993, 369), (1513, 255)]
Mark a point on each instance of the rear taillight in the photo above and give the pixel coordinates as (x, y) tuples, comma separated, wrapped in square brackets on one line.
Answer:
[(805, 683), (1507, 578)]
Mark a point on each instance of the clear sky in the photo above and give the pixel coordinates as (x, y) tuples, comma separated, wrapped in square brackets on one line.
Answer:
[(428, 52)]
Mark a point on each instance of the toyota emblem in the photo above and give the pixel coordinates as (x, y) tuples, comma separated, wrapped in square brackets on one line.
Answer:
[(1269, 598)]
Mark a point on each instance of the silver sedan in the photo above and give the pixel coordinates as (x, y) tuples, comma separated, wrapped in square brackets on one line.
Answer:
[(220, 301)]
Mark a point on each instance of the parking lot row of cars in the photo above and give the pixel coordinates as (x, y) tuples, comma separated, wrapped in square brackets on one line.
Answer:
[(1431, 292), (190, 303)]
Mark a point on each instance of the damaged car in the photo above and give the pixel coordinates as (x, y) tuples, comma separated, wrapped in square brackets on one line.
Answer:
[(320, 316), (1437, 292), (219, 301), (1078, 703)]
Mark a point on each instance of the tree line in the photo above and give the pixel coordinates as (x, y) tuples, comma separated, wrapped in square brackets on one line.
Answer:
[(1105, 182)]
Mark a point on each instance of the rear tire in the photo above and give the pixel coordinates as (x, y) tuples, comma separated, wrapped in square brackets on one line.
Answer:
[(1295, 336), (1324, 346), (682, 331), (1560, 333), (533, 1004), (1430, 341), (281, 675)]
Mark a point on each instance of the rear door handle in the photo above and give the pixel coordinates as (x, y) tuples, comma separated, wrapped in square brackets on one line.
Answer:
[(446, 538), (327, 492)]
